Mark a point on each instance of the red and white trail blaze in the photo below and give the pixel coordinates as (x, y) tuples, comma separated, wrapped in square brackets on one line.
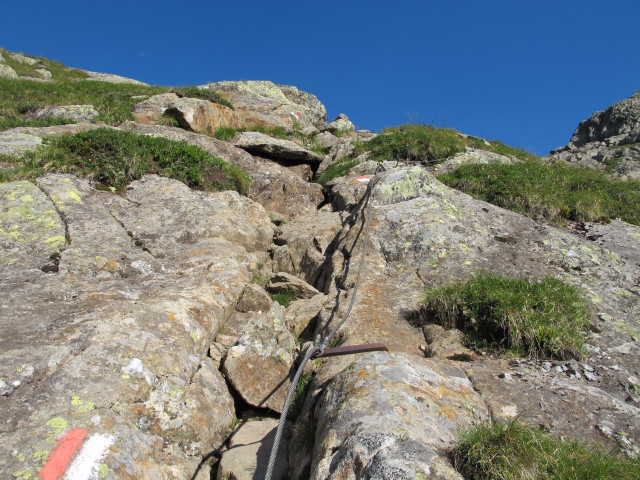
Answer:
[(61, 463)]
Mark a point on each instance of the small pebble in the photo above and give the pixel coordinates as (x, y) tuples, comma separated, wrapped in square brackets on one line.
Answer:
[(506, 376), (590, 376)]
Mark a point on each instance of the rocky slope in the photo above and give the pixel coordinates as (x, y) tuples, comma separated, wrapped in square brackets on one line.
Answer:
[(139, 338), (608, 140)]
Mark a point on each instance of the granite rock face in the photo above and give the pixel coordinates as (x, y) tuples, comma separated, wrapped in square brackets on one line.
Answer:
[(393, 416), (123, 296), (608, 140)]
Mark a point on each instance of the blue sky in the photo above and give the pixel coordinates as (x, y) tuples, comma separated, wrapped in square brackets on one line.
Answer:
[(523, 72)]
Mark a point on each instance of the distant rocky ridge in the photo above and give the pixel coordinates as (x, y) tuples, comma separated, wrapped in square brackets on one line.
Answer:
[(608, 140), (144, 321)]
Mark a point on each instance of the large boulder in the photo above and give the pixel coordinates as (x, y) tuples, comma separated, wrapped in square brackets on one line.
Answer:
[(16, 143), (393, 416), (259, 365), (110, 304), (268, 105), (77, 113), (7, 72), (608, 141), (277, 148), (191, 113)]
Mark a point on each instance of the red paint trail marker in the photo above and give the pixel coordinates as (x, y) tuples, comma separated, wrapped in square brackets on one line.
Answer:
[(59, 458), (363, 178)]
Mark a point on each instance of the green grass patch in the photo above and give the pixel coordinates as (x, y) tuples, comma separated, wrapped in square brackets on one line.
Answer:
[(412, 142), (499, 148), (114, 158), (261, 280), (202, 94), (58, 70), (553, 192), (114, 101), (336, 169), (548, 318), (514, 451), (283, 297), (6, 123)]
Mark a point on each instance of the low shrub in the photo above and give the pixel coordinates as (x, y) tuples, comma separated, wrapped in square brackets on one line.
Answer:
[(514, 451), (115, 158), (553, 192), (548, 318)]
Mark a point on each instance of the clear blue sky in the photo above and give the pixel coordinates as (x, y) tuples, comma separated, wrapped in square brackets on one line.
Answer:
[(524, 72)]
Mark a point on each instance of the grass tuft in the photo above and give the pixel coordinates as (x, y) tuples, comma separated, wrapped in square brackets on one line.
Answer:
[(336, 169), (514, 451), (114, 158), (553, 192), (548, 318), (283, 297), (412, 142)]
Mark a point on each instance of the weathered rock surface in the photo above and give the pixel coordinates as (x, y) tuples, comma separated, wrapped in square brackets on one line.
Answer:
[(191, 113), (77, 113), (266, 146), (303, 244), (301, 314), (258, 366), (122, 295), (340, 124), (617, 236), (608, 140), (254, 299), (274, 187), (7, 72), (15, 143), (472, 156), (283, 281), (423, 234), (393, 416), (269, 105), (248, 452), (111, 78)]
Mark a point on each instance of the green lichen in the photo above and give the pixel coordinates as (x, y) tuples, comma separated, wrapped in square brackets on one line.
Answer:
[(103, 470), (58, 423), (26, 474), (412, 185), (56, 241), (74, 196)]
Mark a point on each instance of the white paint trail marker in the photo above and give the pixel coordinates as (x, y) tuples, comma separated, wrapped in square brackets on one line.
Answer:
[(86, 464)]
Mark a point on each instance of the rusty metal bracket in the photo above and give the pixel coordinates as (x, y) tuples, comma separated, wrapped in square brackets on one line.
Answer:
[(348, 350)]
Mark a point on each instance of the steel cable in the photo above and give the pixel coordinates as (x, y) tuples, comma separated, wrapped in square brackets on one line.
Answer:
[(319, 346)]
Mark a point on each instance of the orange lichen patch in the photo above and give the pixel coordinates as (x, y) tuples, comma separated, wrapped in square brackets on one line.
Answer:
[(448, 412), (172, 317), (200, 251), (362, 373)]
